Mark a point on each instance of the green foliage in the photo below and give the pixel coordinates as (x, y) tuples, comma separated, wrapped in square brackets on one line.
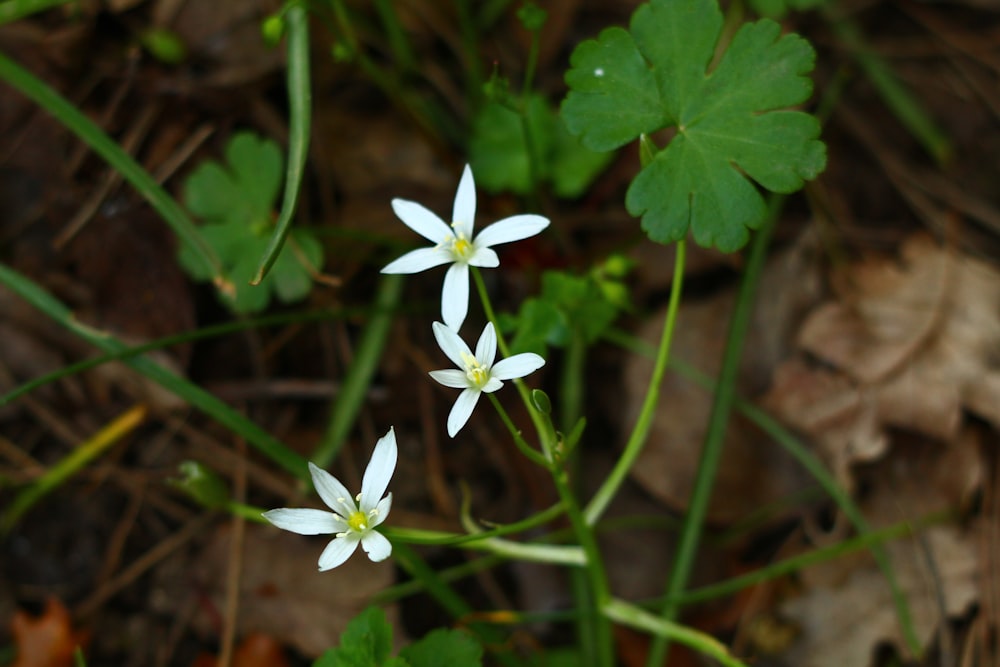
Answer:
[(443, 647), (532, 17), (776, 9), (236, 201), (570, 305), (367, 642), (732, 121), (201, 484), (503, 157), (164, 45)]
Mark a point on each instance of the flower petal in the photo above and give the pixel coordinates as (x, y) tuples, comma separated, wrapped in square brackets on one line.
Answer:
[(514, 228), (338, 550), (306, 521), (379, 471), (462, 410), (455, 295), (421, 220), (517, 366), (485, 258), (382, 510), (419, 260), (491, 385), (334, 494), (486, 348), (464, 212), (451, 377), (376, 546), (451, 344)]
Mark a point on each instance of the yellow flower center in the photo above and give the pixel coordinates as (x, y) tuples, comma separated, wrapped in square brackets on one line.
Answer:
[(474, 370), (461, 247), (358, 521)]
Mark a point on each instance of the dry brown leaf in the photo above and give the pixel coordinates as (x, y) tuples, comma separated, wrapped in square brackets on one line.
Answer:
[(282, 594), (753, 471), (48, 640), (846, 609), (912, 344), (922, 332), (256, 650)]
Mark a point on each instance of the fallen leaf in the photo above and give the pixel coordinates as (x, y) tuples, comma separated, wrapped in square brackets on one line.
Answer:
[(256, 650), (754, 471), (908, 344), (282, 593), (921, 332), (937, 570), (48, 640)]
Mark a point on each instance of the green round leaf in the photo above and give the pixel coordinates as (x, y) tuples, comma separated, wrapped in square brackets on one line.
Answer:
[(733, 123), (613, 96)]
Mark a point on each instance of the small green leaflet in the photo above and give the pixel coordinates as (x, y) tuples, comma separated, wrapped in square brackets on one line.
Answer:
[(367, 642), (235, 202), (502, 158), (733, 122)]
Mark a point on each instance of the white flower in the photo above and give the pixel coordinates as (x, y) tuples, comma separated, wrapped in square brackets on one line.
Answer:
[(455, 245), (353, 519), (477, 373)]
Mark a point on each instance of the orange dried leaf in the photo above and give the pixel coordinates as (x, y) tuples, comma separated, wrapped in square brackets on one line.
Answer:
[(256, 650), (47, 640)]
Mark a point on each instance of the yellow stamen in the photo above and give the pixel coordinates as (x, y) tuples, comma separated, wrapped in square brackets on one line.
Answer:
[(358, 521), (474, 370), (461, 247)]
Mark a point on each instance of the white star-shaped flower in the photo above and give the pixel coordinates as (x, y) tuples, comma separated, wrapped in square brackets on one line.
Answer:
[(476, 373), (353, 518), (455, 245)]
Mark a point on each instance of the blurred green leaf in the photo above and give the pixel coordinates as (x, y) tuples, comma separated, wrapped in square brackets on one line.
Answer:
[(733, 123), (235, 200)]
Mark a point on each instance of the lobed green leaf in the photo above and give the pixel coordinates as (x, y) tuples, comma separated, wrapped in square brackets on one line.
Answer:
[(733, 122)]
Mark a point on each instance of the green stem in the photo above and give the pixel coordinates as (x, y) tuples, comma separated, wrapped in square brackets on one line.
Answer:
[(813, 466), (85, 129), (598, 592), (869, 540), (439, 589), (470, 46), (522, 444), (71, 464), (571, 382), (359, 376), (300, 113), (447, 575), (427, 115), (635, 617), (418, 536), (13, 10), (711, 452), (168, 341), (193, 394), (396, 34), (537, 418), (896, 96), (640, 431)]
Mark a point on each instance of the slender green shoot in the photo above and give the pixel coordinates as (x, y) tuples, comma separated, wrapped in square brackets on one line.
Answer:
[(362, 369), (13, 10), (299, 107), (711, 453), (606, 493), (825, 554), (88, 132), (190, 392), (89, 450), (896, 96), (640, 619)]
